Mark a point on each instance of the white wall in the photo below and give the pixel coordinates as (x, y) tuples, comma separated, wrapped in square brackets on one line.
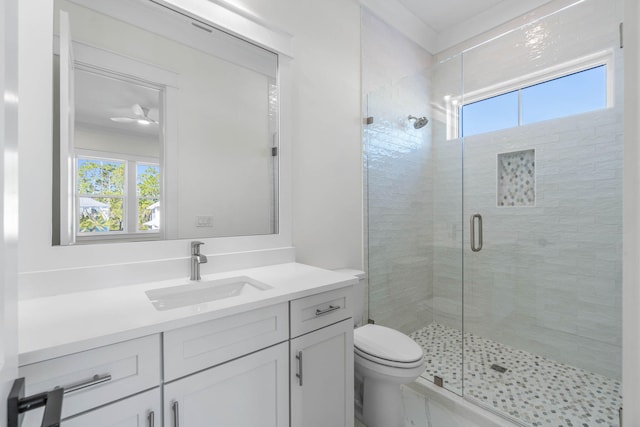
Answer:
[(8, 197), (327, 170), (388, 56), (100, 139)]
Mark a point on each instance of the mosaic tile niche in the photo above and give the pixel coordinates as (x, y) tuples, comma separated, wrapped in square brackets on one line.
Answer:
[(517, 178)]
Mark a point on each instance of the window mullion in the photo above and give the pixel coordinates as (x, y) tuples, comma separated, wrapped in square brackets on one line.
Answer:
[(130, 197), (520, 107)]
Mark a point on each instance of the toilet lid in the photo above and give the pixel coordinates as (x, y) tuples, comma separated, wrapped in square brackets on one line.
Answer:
[(386, 344)]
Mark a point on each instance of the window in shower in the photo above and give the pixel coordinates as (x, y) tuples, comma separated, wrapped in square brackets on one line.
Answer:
[(571, 93), (490, 114)]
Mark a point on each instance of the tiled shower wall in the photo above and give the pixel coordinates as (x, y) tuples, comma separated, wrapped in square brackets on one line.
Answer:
[(548, 279), (398, 170)]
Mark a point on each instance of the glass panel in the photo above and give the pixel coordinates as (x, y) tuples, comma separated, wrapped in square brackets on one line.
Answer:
[(441, 339), (148, 214), (148, 192), (542, 293), (101, 188), (399, 157), (147, 180), (414, 193), (487, 115), (572, 94), (101, 214), (96, 176)]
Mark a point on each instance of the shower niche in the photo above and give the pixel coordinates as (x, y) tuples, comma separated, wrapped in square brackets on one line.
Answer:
[(517, 178)]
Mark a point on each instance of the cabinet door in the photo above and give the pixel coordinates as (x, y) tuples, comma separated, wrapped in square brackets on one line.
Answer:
[(322, 377), (142, 410), (247, 392)]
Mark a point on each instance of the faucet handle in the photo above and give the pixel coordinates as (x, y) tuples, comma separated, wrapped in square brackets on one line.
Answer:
[(195, 247)]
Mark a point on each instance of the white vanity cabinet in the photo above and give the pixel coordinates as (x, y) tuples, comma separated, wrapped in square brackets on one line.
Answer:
[(321, 360)]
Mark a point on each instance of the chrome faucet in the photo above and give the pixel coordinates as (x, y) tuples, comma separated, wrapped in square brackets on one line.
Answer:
[(196, 259)]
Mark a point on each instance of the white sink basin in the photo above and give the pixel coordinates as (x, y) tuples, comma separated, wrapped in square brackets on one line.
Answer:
[(203, 291)]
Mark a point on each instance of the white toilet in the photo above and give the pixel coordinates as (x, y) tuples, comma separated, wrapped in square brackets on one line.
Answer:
[(384, 359)]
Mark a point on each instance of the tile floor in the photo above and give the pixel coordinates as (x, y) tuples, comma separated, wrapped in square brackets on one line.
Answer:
[(533, 390)]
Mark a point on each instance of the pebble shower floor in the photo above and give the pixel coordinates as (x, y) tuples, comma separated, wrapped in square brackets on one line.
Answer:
[(533, 390)]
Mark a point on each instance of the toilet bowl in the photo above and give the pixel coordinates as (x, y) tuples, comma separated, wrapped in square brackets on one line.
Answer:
[(384, 359)]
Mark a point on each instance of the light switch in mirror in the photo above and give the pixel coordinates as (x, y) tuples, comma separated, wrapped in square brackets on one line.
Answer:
[(162, 120)]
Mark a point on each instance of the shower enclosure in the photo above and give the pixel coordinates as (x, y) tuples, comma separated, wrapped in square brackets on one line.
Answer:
[(495, 230)]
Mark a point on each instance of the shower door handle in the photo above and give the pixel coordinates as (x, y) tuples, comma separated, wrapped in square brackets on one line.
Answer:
[(472, 221)]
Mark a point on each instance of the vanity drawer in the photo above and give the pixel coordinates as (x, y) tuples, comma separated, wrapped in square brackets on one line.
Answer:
[(197, 347), (141, 410), (317, 311), (100, 375)]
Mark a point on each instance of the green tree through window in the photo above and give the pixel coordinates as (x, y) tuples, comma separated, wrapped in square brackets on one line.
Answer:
[(148, 191), (101, 189)]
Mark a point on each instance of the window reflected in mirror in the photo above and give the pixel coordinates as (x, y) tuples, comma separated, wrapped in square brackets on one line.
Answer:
[(117, 150)]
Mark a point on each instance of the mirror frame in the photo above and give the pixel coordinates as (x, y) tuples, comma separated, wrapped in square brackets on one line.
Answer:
[(177, 29)]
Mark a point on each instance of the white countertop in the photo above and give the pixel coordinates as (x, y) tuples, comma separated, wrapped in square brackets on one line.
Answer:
[(54, 326)]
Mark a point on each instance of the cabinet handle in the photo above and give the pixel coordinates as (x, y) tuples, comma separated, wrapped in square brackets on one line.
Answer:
[(176, 414), (299, 373), (95, 380), (327, 310), (151, 418)]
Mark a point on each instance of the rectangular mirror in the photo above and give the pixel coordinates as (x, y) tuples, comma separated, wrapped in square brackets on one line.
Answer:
[(164, 126)]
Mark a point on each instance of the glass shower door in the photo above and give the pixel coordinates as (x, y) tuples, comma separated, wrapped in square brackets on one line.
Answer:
[(541, 119)]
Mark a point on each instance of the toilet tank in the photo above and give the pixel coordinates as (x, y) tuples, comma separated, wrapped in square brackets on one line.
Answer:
[(359, 294)]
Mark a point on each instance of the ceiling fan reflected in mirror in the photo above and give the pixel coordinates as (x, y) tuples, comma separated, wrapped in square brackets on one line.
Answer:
[(139, 114)]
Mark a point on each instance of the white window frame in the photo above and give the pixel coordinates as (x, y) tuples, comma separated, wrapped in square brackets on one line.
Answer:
[(454, 105), (130, 208)]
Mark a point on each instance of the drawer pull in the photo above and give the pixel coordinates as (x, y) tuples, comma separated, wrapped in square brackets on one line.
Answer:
[(151, 418), (327, 310), (97, 379), (299, 373), (176, 414)]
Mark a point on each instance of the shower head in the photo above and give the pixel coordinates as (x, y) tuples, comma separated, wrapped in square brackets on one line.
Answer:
[(420, 122)]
